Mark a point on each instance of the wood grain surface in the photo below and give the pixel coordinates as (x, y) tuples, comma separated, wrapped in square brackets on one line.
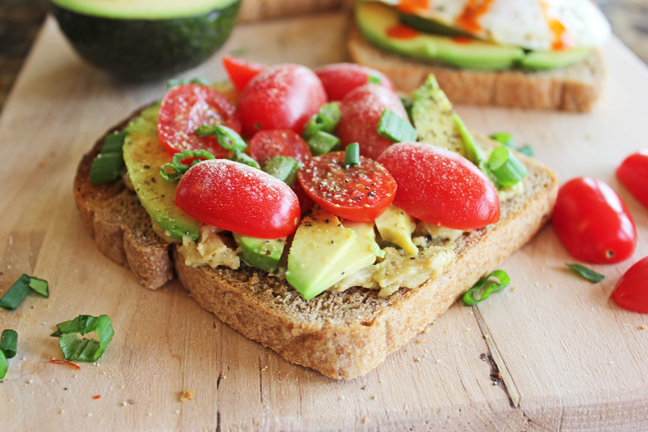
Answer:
[(550, 353)]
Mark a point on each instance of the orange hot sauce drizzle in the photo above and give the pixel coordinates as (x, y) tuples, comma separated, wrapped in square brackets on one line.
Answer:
[(65, 362), (413, 6), (400, 31), (474, 10), (562, 40)]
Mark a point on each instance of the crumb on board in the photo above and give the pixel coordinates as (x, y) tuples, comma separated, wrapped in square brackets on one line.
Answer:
[(514, 288), (365, 420), (643, 327), (186, 395)]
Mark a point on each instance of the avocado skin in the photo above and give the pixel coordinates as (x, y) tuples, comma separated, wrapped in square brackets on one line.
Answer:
[(138, 50)]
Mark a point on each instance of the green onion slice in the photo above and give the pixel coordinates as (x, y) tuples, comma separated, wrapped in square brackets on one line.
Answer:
[(39, 285), (19, 290), (373, 79), (352, 154), (586, 273), (181, 168), (114, 143), (504, 138), (322, 143), (4, 365), (395, 128), (106, 168), (176, 82), (226, 137), (9, 343), (488, 286), (408, 104), (325, 120), (526, 150), (243, 158), (506, 167), (88, 350), (284, 168)]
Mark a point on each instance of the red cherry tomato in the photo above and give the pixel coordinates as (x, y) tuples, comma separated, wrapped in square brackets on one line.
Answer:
[(359, 193), (267, 144), (340, 78), (593, 222), (235, 197), (241, 72), (631, 292), (184, 109), (361, 111), (305, 201), (282, 97), (633, 173), (441, 187)]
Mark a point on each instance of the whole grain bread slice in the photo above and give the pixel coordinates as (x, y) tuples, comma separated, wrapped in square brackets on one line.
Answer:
[(572, 88)]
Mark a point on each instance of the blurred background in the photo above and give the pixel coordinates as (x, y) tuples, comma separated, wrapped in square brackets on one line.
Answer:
[(20, 21)]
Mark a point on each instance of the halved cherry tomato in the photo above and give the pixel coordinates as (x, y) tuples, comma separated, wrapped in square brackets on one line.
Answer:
[(631, 292), (267, 144), (189, 106), (359, 193), (361, 111), (241, 72), (282, 97), (633, 173), (340, 78), (593, 222), (235, 197), (441, 187), (305, 201)]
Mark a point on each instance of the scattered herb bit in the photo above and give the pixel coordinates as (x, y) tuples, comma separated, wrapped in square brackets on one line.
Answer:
[(19, 290), (88, 350), (504, 138), (488, 286), (179, 167), (4, 365), (226, 137), (322, 143), (325, 120), (395, 128), (108, 165), (284, 168), (9, 343), (72, 365), (238, 52), (373, 79), (352, 155), (176, 82), (526, 150), (586, 273), (243, 158), (506, 168)]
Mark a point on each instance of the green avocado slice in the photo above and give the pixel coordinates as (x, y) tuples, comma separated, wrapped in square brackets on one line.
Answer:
[(142, 9)]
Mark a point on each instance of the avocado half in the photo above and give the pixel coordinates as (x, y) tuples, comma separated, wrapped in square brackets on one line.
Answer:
[(146, 39)]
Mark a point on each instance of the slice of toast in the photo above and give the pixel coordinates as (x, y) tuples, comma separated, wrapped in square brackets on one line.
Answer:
[(342, 335), (571, 88)]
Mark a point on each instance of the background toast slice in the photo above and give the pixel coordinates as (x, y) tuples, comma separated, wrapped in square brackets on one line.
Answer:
[(572, 88)]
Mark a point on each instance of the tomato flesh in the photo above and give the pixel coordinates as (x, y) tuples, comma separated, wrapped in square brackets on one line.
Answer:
[(189, 106), (238, 198), (359, 193), (267, 144), (241, 72), (633, 173), (361, 111), (593, 222), (441, 187), (282, 97), (340, 78), (631, 292)]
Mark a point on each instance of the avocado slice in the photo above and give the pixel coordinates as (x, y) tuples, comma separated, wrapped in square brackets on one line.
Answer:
[(375, 19), (543, 60), (146, 39), (260, 253), (396, 226), (144, 156)]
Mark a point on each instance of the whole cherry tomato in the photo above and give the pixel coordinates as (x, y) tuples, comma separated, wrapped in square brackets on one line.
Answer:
[(633, 173), (359, 193), (282, 97), (361, 111), (631, 292), (235, 197), (305, 201), (593, 222), (267, 144), (189, 106), (241, 72), (441, 187), (340, 78)]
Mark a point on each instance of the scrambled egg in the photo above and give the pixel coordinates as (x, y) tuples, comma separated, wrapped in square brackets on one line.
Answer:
[(212, 249)]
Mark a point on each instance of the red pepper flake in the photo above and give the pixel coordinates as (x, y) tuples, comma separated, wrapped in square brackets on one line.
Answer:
[(72, 365), (462, 39), (400, 31), (96, 397)]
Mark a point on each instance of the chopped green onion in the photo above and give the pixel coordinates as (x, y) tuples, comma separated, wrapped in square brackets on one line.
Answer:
[(473, 154), (322, 143), (4, 365), (506, 167), (352, 154), (284, 168), (19, 290), (373, 79), (176, 82), (488, 287), (114, 143), (243, 158), (9, 343), (108, 165), (408, 104), (504, 138), (226, 137), (526, 150), (88, 350), (586, 273), (395, 128), (325, 120), (179, 167)]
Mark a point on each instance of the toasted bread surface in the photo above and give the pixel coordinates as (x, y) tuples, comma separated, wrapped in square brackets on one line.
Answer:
[(572, 88)]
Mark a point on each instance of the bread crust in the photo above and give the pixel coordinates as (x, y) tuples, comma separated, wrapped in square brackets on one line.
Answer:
[(572, 88)]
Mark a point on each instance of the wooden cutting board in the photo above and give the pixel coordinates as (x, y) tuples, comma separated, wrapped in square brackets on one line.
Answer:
[(568, 358)]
